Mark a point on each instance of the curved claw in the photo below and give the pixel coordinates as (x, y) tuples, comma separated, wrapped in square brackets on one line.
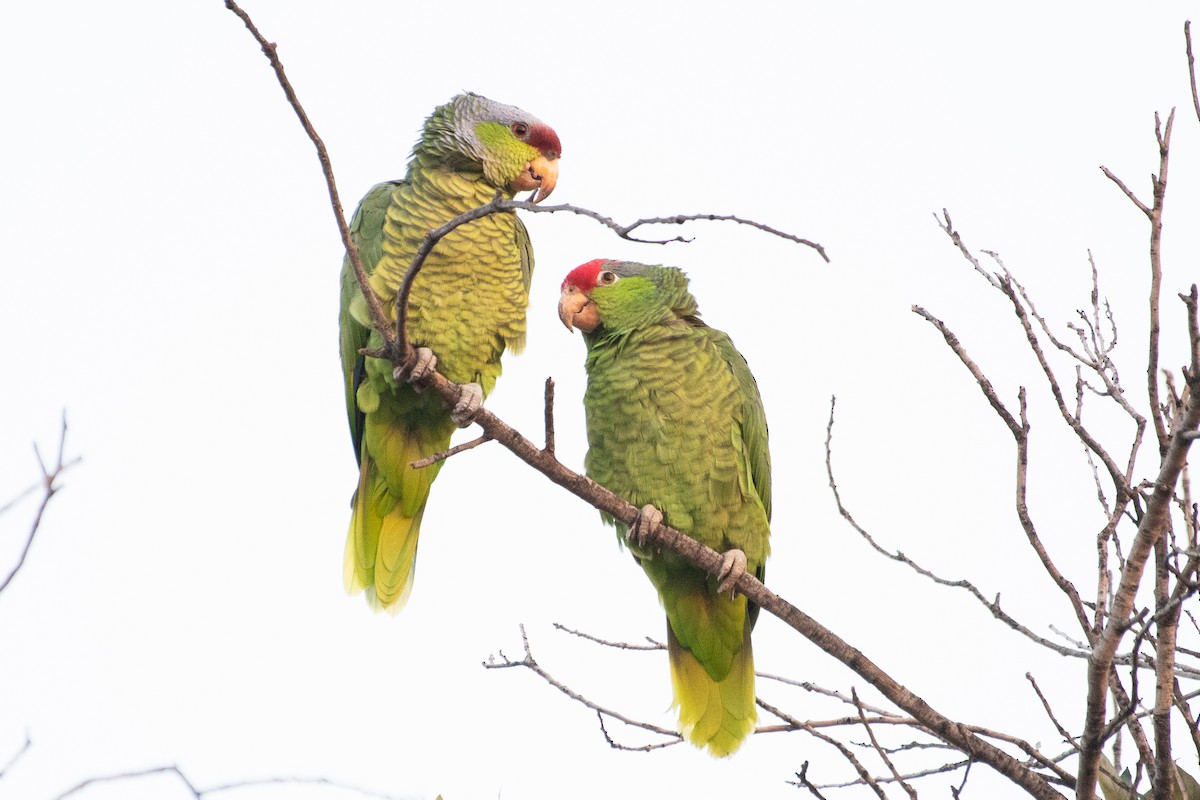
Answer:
[(733, 566), (643, 528), (423, 363), (468, 405)]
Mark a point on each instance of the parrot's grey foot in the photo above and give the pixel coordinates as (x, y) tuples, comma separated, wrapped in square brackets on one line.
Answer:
[(470, 400), (423, 363), (647, 522), (733, 566)]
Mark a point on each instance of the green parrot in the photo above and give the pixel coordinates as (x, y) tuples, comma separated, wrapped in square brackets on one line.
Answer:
[(467, 306), (676, 426)]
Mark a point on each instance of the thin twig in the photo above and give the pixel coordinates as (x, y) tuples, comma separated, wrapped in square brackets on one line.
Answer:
[(374, 306), (1185, 711), (644, 748), (501, 661), (809, 686), (50, 474), (501, 205), (1187, 35), (991, 605), (804, 782), (199, 794), (651, 643), (549, 415), (1050, 712), (924, 773), (429, 461), (17, 755), (864, 776), (882, 755)]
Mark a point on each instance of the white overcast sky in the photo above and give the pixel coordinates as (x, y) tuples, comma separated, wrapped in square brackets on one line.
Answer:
[(170, 279)]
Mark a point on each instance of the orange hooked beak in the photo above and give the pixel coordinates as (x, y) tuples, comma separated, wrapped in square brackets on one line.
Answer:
[(539, 176), (577, 310)]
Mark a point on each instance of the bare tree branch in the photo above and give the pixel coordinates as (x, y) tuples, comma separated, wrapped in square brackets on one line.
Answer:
[(501, 661), (651, 644), (1167, 623), (992, 606), (429, 461), (198, 793), (395, 342), (17, 755), (909, 776), (1050, 712), (374, 306), (864, 776), (803, 781), (1154, 214), (49, 487), (1187, 35), (1020, 432), (1153, 525), (548, 414), (1185, 711), (883, 756)]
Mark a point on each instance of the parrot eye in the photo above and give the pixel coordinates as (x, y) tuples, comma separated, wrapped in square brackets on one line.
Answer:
[(606, 278), (520, 130)]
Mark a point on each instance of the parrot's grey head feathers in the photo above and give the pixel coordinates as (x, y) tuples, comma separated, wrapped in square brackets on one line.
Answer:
[(513, 148), (451, 128), (470, 109), (627, 269)]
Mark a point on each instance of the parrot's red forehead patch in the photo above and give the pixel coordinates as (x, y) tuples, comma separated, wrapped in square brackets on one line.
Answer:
[(545, 140), (584, 276)]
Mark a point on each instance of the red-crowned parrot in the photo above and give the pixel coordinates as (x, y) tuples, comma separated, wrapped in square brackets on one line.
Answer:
[(675, 425)]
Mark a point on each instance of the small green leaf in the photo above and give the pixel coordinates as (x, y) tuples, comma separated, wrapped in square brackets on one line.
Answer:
[(1191, 789), (1111, 786)]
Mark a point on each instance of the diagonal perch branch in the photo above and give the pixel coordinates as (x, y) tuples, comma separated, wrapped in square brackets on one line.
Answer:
[(709, 560)]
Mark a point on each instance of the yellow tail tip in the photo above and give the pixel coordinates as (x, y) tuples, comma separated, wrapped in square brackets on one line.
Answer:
[(714, 715), (381, 557)]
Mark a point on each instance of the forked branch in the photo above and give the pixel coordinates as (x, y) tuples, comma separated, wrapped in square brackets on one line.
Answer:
[(49, 487)]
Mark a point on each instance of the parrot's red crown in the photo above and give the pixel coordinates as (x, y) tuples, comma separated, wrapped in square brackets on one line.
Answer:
[(545, 140), (584, 276)]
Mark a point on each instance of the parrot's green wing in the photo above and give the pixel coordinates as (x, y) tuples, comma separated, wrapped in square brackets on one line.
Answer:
[(754, 461), (366, 231), (753, 423), (521, 239), (526, 249)]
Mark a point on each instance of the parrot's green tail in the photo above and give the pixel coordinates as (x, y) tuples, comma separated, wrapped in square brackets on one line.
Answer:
[(381, 547), (718, 715)]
